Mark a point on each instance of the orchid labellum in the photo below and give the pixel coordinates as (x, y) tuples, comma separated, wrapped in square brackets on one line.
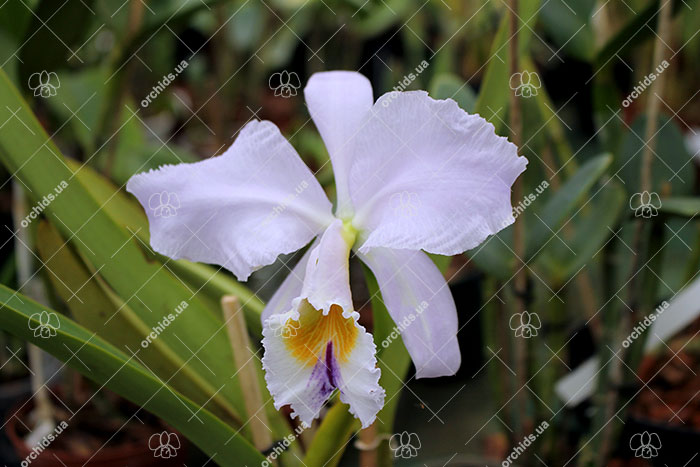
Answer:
[(412, 174)]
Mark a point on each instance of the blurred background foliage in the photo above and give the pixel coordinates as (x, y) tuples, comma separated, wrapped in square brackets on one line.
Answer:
[(108, 55)]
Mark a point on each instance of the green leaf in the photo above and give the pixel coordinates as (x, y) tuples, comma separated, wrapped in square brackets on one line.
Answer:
[(104, 364), (83, 94), (449, 86), (94, 306), (640, 27), (496, 257), (554, 125), (570, 26), (493, 95), (681, 206), (588, 231), (198, 335), (558, 208), (53, 37), (332, 436), (671, 171)]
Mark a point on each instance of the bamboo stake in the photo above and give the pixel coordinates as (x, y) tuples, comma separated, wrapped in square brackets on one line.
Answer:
[(520, 280), (248, 377)]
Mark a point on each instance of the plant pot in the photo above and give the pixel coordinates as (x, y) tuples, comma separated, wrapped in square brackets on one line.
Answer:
[(678, 444), (131, 452), (666, 409)]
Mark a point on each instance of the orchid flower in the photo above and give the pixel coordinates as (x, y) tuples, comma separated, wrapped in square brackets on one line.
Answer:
[(412, 175)]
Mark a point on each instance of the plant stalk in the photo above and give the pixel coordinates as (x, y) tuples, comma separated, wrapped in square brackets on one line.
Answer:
[(640, 231), (520, 279)]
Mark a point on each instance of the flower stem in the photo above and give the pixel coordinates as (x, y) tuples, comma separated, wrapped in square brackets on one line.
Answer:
[(520, 277)]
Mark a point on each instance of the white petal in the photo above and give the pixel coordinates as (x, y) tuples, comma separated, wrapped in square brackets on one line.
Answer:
[(338, 102), (239, 210), (281, 301), (309, 354), (420, 303), (427, 175), (327, 279)]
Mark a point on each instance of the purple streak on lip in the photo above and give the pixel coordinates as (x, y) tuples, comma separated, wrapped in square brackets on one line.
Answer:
[(325, 376), (330, 364)]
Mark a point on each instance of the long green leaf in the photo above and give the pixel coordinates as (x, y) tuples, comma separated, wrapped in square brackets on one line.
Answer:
[(197, 334), (100, 311), (590, 229), (493, 95), (103, 363), (686, 206), (496, 257), (555, 212)]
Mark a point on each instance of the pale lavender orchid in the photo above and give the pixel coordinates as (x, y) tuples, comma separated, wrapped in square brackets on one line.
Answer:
[(412, 174)]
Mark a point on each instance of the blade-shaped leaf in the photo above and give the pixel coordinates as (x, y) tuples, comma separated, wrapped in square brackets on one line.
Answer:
[(100, 311), (493, 95), (103, 363), (590, 229), (198, 334), (555, 212), (682, 206)]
